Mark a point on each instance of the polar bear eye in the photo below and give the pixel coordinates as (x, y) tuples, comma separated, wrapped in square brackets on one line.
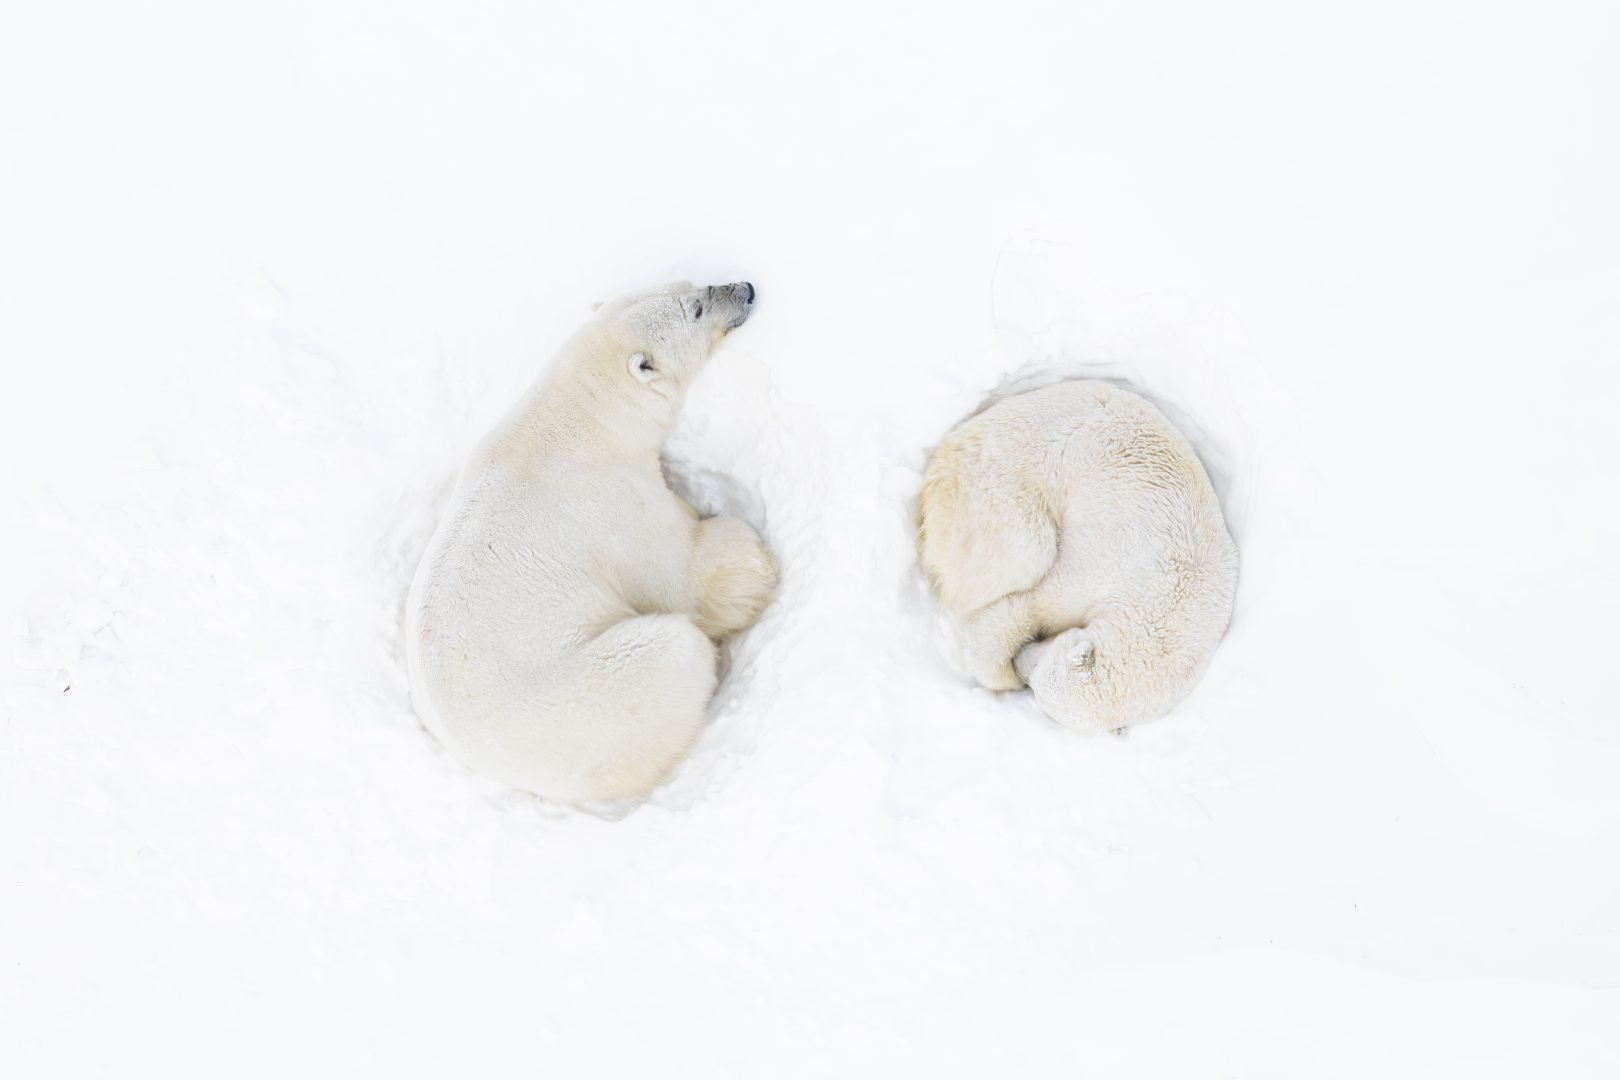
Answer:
[(697, 312)]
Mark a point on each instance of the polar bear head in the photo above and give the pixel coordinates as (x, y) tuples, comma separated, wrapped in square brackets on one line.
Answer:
[(660, 339)]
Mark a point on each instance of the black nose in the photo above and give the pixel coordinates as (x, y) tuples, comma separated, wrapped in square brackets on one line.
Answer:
[(750, 287)]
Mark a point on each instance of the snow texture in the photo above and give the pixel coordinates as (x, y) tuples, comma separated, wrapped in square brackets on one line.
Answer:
[(267, 271)]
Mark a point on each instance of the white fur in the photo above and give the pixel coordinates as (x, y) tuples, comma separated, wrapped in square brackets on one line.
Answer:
[(1073, 539), (561, 630)]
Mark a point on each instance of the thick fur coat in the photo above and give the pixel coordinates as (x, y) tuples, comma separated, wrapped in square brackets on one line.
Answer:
[(561, 631), (1074, 541)]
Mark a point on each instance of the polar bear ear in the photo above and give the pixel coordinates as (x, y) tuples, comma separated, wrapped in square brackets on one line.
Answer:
[(641, 366), (596, 306)]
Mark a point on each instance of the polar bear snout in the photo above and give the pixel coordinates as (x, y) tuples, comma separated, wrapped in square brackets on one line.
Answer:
[(736, 300)]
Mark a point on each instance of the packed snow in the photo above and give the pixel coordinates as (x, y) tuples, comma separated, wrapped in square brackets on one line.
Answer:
[(268, 271)]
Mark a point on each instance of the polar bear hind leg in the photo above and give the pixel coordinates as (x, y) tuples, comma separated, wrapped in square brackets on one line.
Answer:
[(733, 576), (980, 537), (993, 635), (646, 683)]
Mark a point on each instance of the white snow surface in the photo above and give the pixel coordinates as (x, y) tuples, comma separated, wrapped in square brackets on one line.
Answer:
[(268, 271)]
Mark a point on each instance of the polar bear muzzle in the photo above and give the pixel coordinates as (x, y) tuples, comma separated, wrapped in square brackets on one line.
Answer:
[(733, 302)]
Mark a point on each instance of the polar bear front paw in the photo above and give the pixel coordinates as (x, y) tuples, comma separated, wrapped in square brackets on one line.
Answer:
[(735, 575)]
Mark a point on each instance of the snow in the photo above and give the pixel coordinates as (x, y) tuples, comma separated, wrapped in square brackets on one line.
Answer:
[(267, 271)]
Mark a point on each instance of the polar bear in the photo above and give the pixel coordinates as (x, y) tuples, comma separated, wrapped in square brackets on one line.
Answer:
[(561, 630), (1074, 541)]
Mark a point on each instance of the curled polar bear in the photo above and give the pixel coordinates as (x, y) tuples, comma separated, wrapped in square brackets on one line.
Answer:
[(1073, 538), (561, 631)]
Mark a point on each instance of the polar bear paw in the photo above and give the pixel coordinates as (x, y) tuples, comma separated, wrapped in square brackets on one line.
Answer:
[(735, 575), (1070, 654)]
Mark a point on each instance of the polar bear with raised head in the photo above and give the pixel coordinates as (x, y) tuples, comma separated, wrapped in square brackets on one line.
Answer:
[(561, 631), (1074, 541)]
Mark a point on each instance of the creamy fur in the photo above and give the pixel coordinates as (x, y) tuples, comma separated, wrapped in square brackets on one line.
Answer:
[(1073, 539), (561, 631)]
